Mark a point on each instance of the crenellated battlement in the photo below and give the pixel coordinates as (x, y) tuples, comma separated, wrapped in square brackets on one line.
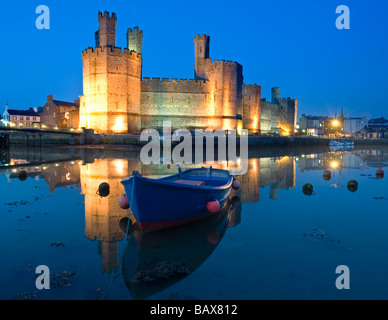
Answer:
[(172, 80), (287, 99), (201, 36), (247, 86), (224, 62), (110, 51), (135, 29), (107, 15)]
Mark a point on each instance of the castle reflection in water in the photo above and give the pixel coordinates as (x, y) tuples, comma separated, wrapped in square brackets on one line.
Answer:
[(87, 170)]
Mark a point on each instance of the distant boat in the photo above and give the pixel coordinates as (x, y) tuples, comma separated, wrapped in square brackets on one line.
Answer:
[(184, 197), (341, 145), (335, 143)]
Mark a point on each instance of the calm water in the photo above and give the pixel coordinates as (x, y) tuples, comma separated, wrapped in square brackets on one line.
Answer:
[(276, 244)]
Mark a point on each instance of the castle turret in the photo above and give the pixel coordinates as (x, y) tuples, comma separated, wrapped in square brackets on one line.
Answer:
[(106, 34), (202, 49), (135, 40), (275, 95)]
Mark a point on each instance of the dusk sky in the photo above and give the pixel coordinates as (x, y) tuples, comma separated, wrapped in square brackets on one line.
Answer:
[(294, 45)]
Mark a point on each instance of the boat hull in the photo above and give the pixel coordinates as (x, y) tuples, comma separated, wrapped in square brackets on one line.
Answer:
[(160, 203)]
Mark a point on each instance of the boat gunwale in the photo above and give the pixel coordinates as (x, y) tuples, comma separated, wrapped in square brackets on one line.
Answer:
[(163, 182)]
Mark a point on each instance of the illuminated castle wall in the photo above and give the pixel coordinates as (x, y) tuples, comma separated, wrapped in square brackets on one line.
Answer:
[(118, 99), (111, 79), (278, 115)]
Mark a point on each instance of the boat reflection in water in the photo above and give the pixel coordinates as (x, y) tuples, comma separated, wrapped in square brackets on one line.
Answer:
[(154, 261)]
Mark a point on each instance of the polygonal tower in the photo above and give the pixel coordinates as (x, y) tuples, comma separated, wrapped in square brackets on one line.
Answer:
[(225, 81), (111, 80)]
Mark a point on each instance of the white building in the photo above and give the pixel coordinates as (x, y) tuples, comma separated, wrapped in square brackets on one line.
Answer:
[(21, 118), (352, 125)]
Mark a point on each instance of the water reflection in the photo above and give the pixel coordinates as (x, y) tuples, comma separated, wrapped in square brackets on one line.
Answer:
[(192, 244), (155, 261)]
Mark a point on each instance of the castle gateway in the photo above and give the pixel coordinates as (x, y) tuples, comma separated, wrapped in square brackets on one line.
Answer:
[(117, 99)]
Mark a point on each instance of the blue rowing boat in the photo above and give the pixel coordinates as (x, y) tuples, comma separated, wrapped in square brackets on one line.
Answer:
[(184, 197)]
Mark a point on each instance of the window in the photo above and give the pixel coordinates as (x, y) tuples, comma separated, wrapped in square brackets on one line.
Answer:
[(21, 118), (27, 118), (34, 118), (14, 117)]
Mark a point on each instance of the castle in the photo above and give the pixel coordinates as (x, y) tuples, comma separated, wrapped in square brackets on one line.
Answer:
[(118, 99)]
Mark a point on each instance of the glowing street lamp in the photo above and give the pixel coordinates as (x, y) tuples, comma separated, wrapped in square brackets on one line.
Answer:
[(334, 164), (335, 123)]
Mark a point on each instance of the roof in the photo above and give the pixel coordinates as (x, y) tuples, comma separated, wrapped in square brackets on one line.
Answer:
[(369, 129), (309, 117), (59, 103), (378, 121), (28, 113)]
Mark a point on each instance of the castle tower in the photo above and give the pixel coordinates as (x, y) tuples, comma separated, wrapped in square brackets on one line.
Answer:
[(275, 95), (225, 80), (111, 83), (106, 34), (202, 49), (135, 40), (251, 107)]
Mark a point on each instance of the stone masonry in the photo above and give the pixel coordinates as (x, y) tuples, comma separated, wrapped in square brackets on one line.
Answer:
[(118, 99)]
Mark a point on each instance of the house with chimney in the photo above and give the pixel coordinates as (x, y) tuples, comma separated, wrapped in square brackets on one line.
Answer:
[(60, 114), (22, 118)]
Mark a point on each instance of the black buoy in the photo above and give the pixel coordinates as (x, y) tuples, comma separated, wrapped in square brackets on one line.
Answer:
[(235, 201), (326, 175), (22, 175), (124, 224), (308, 189), (352, 185), (103, 190)]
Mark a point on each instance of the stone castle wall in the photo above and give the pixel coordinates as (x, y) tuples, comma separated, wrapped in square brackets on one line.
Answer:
[(118, 99), (278, 118), (185, 103)]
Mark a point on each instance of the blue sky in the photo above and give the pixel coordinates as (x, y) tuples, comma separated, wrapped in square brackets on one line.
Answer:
[(291, 44)]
